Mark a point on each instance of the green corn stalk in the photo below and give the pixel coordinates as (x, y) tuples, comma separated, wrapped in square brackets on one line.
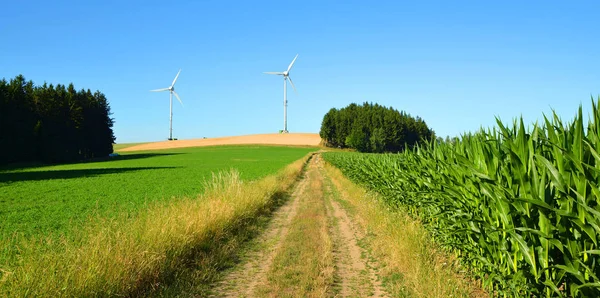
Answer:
[(520, 207)]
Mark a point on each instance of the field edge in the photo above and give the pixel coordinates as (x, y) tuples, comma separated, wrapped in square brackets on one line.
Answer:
[(411, 264), (136, 257)]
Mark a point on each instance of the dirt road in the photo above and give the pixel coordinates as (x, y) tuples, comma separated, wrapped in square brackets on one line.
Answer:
[(311, 248)]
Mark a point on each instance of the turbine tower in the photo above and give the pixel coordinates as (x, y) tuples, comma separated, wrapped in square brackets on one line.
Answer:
[(286, 76), (171, 90)]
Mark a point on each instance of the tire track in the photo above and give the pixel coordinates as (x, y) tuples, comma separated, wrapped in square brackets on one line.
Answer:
[(356, 275), (242, 281)]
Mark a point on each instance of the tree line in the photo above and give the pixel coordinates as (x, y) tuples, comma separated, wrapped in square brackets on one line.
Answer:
[(373, 128), (52, 123)]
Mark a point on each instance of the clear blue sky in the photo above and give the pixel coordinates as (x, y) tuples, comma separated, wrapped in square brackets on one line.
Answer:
[(457, 64)]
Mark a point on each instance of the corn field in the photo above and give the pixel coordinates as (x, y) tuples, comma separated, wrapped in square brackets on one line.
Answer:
[(519, 206)]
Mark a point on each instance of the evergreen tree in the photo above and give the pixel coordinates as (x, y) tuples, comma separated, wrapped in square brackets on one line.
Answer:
[(373, 128), (52, 124), (329, 125)]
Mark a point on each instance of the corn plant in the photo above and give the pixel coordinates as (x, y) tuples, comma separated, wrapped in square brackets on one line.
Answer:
[(519, 207)]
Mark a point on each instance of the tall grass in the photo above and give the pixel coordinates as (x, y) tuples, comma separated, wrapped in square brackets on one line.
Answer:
[(133, 256), (411, 264), (519, 206)]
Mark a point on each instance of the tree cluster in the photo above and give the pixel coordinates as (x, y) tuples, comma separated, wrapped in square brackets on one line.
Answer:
[(52, 123), (373, 128)]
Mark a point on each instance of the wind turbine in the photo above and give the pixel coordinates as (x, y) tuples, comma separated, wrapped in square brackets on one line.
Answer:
[(286, 76), (171, 90)]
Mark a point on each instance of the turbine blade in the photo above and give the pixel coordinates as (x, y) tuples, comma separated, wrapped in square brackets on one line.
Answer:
[(159, 90), (176, 95), (274, 73), (175, 80), (292, 64), (289, 78)]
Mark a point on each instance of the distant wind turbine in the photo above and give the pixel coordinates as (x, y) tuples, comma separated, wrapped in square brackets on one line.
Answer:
[(286, 76), (171, 90)]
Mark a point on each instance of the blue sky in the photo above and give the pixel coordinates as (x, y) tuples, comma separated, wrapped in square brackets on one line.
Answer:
[(456, 64)]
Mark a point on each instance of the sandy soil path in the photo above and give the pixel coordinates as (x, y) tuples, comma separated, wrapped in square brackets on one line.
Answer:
[(288, 139), (354, 272), (242, 281)]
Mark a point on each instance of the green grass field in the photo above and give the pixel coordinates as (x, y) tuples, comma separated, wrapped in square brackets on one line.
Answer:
[(52, 200)]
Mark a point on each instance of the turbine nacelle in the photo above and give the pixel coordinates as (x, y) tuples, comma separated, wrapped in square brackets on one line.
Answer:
[(171, 88)]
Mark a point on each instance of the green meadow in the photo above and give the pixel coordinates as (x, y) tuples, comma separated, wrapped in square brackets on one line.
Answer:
[(53, 200)]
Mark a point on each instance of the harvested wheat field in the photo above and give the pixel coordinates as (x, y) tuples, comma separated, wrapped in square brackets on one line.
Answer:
[(292, 139)]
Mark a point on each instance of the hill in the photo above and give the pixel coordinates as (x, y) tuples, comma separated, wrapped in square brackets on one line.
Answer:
[(291, 139)]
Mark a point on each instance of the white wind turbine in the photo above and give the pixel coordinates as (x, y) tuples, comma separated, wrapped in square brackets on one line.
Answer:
[(171, 90), (286, 76)]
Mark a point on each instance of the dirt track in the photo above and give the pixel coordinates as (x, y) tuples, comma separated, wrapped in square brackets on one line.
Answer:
[(291, 139), (354, 274)]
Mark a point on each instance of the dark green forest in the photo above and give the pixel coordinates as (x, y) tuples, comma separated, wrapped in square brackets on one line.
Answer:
[(373, 128), (52, 123)]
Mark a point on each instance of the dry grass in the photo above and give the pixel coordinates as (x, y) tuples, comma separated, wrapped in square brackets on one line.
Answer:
[(286, 139), (303, 266), (411, 264), (133, 256), (117, 147)]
